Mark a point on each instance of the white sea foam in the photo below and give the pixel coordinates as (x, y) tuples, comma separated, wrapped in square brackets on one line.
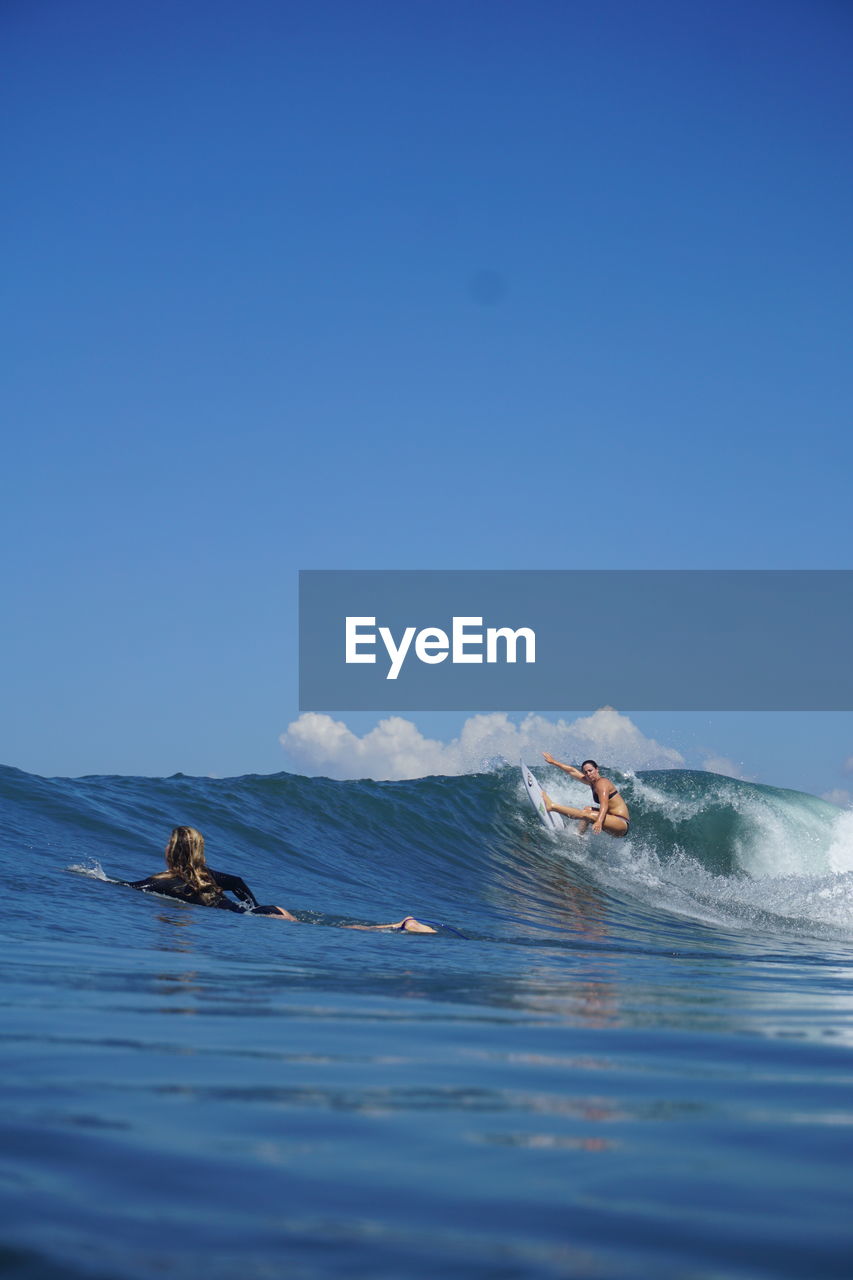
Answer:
[(792, 856), (840, 853), (94, 870), (793, 902)]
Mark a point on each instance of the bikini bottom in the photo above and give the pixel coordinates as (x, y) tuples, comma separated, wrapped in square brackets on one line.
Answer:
[(596, 809)]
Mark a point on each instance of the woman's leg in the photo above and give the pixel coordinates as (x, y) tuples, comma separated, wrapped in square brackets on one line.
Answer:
[(407, 925), (613, 825), (582, 816)]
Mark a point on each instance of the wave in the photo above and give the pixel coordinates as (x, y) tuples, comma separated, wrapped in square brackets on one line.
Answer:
[(704, 849)]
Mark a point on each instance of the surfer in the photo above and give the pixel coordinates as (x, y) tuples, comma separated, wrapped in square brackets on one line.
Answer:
[(190, 879), (610, 814)]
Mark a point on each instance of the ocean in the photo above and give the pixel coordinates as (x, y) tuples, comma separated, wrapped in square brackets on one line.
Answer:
[(636, 1062)]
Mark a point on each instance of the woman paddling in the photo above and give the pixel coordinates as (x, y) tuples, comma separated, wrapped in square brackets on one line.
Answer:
[(610, 814), (190, 879)]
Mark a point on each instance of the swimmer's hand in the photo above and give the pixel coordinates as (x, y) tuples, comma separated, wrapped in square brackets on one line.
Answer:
[(548, 758)]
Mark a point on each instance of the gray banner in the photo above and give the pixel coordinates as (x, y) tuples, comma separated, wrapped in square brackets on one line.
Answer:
[(638, 640)]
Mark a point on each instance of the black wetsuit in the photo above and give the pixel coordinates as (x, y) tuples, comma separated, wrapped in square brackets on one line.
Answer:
[(172, 886)]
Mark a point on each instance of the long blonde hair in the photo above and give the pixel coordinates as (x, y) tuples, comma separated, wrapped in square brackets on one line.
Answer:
[(185, 856)]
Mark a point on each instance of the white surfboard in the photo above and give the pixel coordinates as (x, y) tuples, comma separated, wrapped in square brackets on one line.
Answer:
[(553, 821)]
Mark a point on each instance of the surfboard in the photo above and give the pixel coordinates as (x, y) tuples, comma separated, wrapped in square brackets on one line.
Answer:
[(553, 821)]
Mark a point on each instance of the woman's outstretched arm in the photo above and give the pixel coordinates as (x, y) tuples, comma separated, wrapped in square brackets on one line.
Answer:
[(567, 768)]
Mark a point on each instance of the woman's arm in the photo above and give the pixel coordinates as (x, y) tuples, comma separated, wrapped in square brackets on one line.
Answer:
[(567, 768), (600, 790), (150, 882), (235, 885), (238, 886)]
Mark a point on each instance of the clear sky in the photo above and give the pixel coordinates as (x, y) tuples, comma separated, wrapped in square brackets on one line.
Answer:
[(430, 284)]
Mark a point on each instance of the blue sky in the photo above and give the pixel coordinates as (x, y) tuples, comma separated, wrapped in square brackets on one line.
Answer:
[(422, 285)]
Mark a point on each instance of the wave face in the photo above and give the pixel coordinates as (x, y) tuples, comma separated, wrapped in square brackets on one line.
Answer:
[(597, 1079), (726, 852)]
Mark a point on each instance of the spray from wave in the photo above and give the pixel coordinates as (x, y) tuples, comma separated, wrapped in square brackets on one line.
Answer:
[(726, 852)]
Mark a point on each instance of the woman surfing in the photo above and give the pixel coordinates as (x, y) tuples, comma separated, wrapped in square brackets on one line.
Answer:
[(609, 814)]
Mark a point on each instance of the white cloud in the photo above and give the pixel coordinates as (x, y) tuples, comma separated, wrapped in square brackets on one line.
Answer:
[(396, 748), (722, 764), (839, 796)]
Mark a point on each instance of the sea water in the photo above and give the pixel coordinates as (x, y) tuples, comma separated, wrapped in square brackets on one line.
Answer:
[(637, 1062)]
